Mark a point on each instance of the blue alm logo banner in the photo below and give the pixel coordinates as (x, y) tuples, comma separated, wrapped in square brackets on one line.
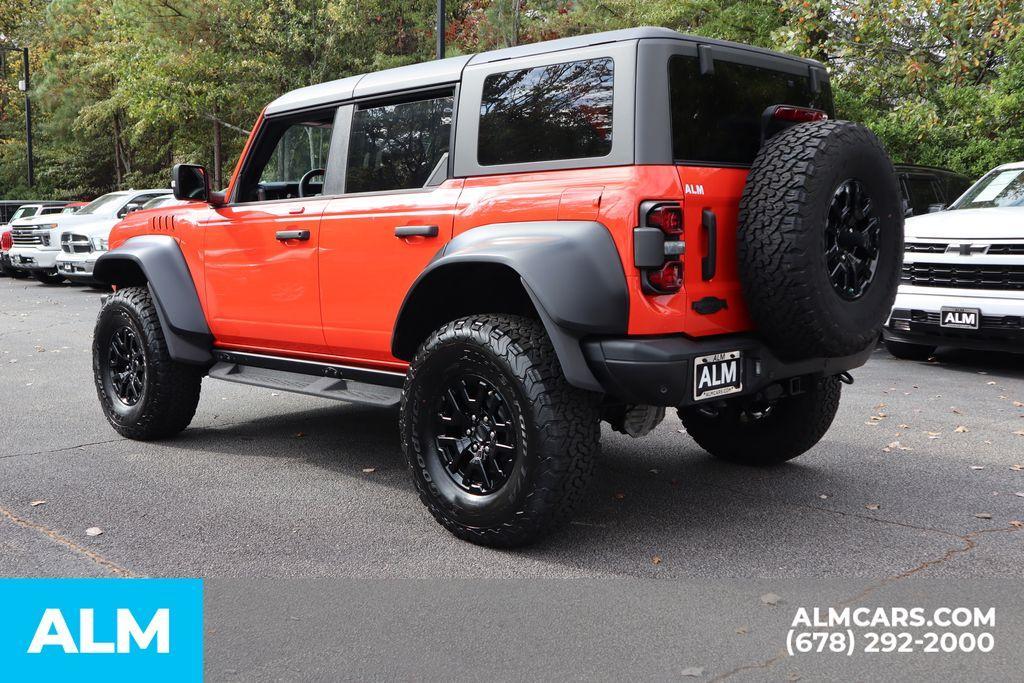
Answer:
[(101, 629)]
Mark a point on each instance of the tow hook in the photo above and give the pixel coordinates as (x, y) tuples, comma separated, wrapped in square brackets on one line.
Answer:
[(846, 378)]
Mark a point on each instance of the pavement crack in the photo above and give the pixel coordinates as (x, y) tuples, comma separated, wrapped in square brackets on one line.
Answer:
[(109, 565), (60, 450), (969, 544)]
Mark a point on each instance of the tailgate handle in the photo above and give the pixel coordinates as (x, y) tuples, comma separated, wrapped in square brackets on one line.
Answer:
[(709, 263), (416, 231), (285, 235)]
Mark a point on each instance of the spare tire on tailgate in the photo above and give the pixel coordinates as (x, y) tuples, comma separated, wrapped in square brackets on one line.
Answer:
[(820, 239)]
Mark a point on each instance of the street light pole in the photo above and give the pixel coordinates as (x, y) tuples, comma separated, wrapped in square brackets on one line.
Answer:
[(440, 29), (23, 86), (28, 118)]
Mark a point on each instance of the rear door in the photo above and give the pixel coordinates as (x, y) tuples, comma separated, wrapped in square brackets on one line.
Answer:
[(262, 288), (395, 212)]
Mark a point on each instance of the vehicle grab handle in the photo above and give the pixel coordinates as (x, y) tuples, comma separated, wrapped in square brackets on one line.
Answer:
[(285, 235), (416, 231)]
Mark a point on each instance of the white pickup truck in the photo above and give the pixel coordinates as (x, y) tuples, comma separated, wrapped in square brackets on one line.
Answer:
[(37, 240), (962, 282)]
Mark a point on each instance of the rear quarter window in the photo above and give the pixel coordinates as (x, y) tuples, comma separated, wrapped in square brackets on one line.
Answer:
[(716, 117), (559, 111)]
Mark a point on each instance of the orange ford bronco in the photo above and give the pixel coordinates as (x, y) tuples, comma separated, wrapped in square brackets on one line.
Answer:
[(515, 246)]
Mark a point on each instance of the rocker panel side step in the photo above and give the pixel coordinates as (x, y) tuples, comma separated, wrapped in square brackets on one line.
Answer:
[(336, 382)]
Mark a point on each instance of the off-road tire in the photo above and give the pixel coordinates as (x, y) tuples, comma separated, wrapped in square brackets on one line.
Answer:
[(794, 425), (558, 428), (907, 351), (170, 390), (48, 278), (782, 265)]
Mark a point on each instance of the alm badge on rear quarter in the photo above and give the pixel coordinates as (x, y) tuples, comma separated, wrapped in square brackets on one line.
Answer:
[(717, 375)]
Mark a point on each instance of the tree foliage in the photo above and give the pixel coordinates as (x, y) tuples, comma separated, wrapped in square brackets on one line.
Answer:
[(124, 88)]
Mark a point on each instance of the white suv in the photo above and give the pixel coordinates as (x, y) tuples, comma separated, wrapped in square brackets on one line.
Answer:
[(37, 240), (963, 273)]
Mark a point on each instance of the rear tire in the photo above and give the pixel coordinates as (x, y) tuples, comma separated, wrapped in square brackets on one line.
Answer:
[(749, 433), (907, 351), (820, 239), (48, 278), (143, 392), (504, 486)]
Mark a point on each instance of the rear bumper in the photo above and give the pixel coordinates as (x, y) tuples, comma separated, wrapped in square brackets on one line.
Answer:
[(660, 370)]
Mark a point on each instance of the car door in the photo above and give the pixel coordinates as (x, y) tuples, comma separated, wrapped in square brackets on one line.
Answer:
[(395, 212), (262, 289)]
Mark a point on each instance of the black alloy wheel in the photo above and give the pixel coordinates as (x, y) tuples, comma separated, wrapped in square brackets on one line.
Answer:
[(475, 435), (127, 366), (851, 240)]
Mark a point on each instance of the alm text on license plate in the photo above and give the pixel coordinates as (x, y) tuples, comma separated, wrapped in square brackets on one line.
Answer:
[(717, 375)]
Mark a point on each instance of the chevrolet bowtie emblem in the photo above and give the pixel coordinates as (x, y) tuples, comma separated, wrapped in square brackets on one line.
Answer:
[(966, 249)]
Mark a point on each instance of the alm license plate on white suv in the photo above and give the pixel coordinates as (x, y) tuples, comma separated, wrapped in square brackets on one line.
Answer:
[(717, 375), (959, 318)]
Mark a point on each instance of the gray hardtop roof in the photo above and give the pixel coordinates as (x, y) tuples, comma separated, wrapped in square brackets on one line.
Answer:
[(449, 70)]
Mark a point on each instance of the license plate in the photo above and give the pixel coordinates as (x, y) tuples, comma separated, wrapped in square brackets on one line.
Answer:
[(67, 267), (960, 318), (716, 375)]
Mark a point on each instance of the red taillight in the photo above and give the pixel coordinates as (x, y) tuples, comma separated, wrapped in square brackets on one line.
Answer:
[(668, 218), (669, 278), (784, 112), (6, 241)]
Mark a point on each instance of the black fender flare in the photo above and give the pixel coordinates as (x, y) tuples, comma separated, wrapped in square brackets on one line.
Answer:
[(571, 271), (157, 261)]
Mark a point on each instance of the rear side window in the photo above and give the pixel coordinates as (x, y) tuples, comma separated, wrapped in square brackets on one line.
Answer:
[(923, 191), (561, 111), (716, 118), (397, 146)]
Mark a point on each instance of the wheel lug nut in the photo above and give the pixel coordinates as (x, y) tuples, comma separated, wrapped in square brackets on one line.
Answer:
[(492, 435), (468, 432)]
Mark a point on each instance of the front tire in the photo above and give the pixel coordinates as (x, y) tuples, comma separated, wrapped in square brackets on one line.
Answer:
[(143, 392), (765, 433), (906, 351), (500, 446), (48, 278)]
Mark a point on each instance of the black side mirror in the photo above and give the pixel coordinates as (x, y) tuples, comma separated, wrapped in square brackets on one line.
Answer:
[(190, 181)]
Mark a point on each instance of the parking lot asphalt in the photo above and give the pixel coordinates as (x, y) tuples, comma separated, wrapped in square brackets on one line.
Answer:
[(921, 474)]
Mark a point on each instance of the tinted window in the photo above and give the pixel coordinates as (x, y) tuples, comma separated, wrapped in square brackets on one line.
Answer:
[(302, 148), (397, 146), (924, 192), (562, 111), (717, 117)]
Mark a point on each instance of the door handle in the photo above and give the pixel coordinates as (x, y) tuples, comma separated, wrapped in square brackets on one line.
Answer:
[(709, 264), (285, 235), (416, 231)]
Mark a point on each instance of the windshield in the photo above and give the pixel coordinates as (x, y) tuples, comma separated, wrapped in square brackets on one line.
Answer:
[(999, 188), (24, 212), (108, 205)]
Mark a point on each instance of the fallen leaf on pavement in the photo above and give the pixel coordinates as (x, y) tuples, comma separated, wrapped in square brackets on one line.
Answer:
[(977, 467), (37, 503), (299, 435), (1019, 494), (990, 383), (956, 411), (1019, 432), (93, 531), (961, 429), (823, 496), (693, 671), (619, 495), (1017, 468), (656, 559), (742, 631), (1017, 524), (872, 506), (902, 426), (770, 599), (984, 515), (1018, 404), (369, 470)]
